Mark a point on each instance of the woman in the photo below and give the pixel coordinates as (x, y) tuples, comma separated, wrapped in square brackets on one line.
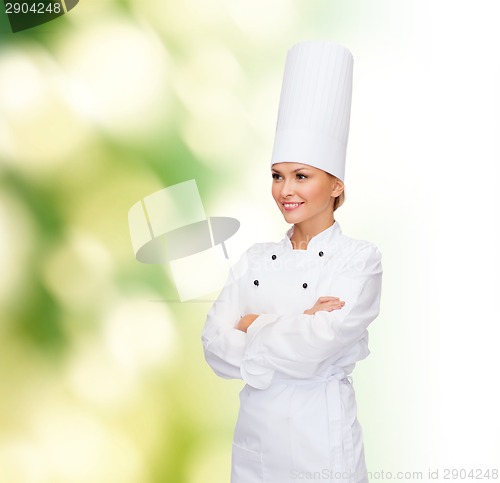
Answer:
[(292, 319)]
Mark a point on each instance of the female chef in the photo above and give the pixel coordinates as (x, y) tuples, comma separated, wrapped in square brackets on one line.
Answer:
[(292, 319)]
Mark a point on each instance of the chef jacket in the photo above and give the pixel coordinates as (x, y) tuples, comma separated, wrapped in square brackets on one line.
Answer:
[(297, 417)]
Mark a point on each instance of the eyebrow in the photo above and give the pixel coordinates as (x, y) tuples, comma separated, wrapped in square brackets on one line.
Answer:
[(294, 171)]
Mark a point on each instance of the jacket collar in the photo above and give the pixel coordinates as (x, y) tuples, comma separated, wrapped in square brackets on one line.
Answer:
[(319, 242)]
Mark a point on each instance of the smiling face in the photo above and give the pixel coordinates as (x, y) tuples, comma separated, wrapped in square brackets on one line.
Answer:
[(305, 194)]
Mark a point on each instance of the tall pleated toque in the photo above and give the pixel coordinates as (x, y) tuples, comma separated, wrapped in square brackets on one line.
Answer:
[(315, 107)]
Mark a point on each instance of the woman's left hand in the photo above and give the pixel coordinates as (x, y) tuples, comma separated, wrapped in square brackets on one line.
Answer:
[(245, 322)]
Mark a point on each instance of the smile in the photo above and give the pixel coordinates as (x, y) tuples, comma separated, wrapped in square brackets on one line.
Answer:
[(291, 206)]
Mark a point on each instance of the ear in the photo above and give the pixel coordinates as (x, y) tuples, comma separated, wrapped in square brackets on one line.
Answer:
[(338, 187)]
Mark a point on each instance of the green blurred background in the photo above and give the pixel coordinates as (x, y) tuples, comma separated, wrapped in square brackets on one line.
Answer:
[(102, 376)]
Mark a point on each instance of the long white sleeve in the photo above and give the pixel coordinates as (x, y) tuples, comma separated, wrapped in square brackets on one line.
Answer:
[(223, 345), (297, 345)]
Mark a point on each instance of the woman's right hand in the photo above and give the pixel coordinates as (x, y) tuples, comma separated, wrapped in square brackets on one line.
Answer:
[(325, 303)]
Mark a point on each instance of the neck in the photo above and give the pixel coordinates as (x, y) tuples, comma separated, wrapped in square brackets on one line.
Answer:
[(302, 234)]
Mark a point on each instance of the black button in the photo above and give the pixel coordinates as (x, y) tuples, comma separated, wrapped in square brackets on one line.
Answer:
[(274, 257), (320, 254), (304, 285), (256, 282)]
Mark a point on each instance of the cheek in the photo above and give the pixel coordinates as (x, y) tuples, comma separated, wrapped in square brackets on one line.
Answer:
[(317, 195), (313, 193)]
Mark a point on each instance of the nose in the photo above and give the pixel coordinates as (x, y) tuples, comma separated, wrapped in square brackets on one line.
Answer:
[(287, 188)]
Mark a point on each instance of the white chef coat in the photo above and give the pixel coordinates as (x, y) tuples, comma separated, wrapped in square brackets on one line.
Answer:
[(297, 417)]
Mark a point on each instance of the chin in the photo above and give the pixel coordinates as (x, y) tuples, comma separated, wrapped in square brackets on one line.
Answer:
[(289, 218)]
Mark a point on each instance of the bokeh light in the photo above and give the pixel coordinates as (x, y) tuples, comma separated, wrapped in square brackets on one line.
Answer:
[(139, 334), (42, 130), (16, 246), (117, 75)]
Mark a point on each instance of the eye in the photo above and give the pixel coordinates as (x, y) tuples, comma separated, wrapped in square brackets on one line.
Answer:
[(303, 176), (275, 175)]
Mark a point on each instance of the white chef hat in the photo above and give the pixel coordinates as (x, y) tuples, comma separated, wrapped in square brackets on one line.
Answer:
[(315, 107)]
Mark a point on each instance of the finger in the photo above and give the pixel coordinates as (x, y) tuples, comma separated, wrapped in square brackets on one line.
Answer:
[(334, 304), (327, 298)]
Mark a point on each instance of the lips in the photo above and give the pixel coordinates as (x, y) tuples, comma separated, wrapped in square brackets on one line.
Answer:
[(291, 206)]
